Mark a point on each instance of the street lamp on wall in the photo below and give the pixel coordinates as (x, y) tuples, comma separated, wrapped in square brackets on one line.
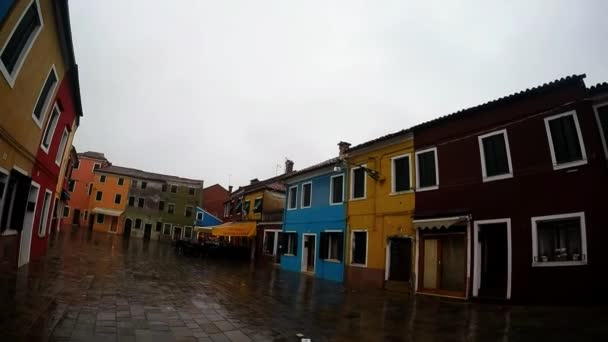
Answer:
[(343, 165)]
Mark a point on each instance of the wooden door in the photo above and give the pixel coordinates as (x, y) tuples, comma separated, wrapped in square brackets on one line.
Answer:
[(400, 259)]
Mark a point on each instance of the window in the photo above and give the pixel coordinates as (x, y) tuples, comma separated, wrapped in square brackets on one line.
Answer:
[(134, 183), (495, 156), (71, 185), (359, 248), (188, 232), (140, 202), (565, 140), (257, 205), (167, 229), (121, 181), (427, 170), (86, 215), (331, 246), (76, 164), (90, 188), (199, 216), (50, 129), (559, 240), (289, 243), (46, 205), (171, 208), (401, 178), (188, 211), (601, 114), (100, 218), (269, 242), (137, 223), (227, 209), (159, 226), (174, 189), (336, 189), (102, 179), (17, 47), (161, 205), (66, 211), (358, 183), (246, 207), (61, 150), (144, 185), (238, 207), (96, 166), (45, 97), (164, 187), (117, 198), (292, 198), (306, 195), (99, 195), (131, 201), (191, 191)]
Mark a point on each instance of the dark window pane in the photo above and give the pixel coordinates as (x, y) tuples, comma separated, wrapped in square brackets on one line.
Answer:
[(495, 154), (131, 201), (337, 189), (24, 30), (359, 183), (426, 169), (559, 240), (292, 197), (359, 247), (50, 128), (306, 188), (257, 205), (402, 174), (158, 226), (565, 139), (44, 95)]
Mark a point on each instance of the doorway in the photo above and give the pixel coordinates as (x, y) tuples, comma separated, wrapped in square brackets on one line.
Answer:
[(177, 233), (492, 256), (28, 225), (308, 253), (400, 259), (126, 231), (443, 261), (147, 231), (76, 218), (91, 221)]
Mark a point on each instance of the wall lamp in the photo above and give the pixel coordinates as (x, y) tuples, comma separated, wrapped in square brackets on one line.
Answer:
[(343, 164)]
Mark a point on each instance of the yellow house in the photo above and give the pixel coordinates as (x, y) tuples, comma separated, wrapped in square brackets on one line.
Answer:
[(108, 201), (380, 204)]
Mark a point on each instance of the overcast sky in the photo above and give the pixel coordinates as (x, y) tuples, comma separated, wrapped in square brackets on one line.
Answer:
[(209, 89)]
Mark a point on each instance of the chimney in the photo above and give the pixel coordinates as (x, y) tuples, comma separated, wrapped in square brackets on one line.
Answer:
[(253, 181), (343, 146), (288, 166), (229, 189)]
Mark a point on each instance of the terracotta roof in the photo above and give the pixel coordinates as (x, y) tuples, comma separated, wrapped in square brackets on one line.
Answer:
[(315, 167), (598, 88), (135, 173), (504, 100), (402, 132), (92, 155)]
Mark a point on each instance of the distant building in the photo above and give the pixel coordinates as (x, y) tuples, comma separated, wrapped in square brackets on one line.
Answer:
[(213, 199)]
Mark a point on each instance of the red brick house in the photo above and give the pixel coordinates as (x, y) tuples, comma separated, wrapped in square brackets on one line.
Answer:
[(213, 199)]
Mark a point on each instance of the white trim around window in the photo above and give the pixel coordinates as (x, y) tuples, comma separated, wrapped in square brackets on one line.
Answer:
[(51, 126), (484, 172), (352, 183), (352, 243), (289, 196), (583, 159), (477, 254), (47, 201), (583, 252), (62, 147), (409, 171), (302, 206), (599, 125), (48, 100), (433, 187), (12, 77), (331, 189)]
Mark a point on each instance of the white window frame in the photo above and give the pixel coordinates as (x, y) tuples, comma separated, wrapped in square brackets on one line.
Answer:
[(329, 245), (535, 220), (51, 128), (484, 172), (583, 161), (331, 189), (290, 243), (352, 249), (302, 206), (46, 212), (63, 213), (11, 78), (477, 254), (599, 126), (432, 187), (393, 174), (201, 214), (276, 241), (62, 146), (170, 229), (118, 181), (289, 207), (48, 101), (186, 209), (352, 183)]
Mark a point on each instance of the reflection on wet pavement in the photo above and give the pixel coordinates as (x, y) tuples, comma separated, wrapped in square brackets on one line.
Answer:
[(98, 287)]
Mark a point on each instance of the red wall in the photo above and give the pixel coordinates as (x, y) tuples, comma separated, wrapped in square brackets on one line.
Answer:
[(213, 200)]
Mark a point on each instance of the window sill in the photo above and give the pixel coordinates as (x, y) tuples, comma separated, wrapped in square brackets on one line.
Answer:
[(428, 188), (358, 265), (333, 261), (558, 263), (397, 193), (358, 199), (569, 164), (9, 232), (497, 177), (289, 255), (337, 203)]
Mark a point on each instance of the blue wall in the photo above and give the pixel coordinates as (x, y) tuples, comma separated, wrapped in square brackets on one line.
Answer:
[(321, 216)]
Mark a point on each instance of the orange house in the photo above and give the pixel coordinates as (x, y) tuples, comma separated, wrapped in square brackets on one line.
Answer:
[(109, 196)]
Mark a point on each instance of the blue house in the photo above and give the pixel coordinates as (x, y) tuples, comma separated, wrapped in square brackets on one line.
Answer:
[(312, 240)]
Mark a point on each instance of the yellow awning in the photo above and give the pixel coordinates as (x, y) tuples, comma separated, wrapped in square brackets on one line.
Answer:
[(105, 211), (440, 223), (242, 229)]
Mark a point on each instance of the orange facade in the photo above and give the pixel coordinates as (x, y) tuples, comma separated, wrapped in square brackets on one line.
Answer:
[(82, 177), (108, 201)]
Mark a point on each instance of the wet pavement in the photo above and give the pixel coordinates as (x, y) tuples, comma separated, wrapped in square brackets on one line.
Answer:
[(98, 287)]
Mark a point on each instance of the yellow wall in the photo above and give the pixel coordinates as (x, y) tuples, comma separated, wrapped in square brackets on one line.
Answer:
[(251, 198), (381, 213), (109, 189), (17, 103)]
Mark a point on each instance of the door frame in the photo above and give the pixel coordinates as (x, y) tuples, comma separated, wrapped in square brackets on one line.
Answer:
[(26, 249), (477, 254), (275, 237), (302, 267), (387, 263)]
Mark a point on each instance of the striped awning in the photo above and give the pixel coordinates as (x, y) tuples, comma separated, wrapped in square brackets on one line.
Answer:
[(440, 222)]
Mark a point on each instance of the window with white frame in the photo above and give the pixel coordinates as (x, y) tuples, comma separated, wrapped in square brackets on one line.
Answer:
[(141, 202), (559, 240), (49, 131), (601, 114), (46, 205), (336, 189), (167, 229), (96, 166), (20, 42), (359, 248), (290, 243), (45, 98), (358, 182), (100, 218), (188, 232), (292, 197), (270, 242), (62, 145), (565, 140), (199, 216), (306, 195), (401, 177), (121, 181), (331, 246), (66, 211), (427, 169), (495, 156)]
